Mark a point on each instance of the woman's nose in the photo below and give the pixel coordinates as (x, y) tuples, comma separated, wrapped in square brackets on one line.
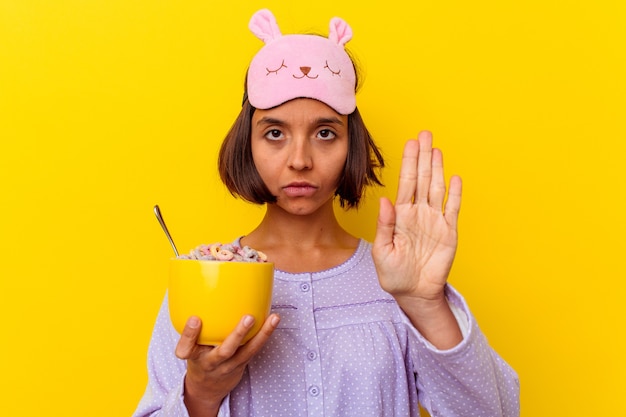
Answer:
[(300, 156)]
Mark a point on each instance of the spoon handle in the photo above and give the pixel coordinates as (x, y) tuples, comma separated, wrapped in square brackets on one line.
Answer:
[(157, 212)]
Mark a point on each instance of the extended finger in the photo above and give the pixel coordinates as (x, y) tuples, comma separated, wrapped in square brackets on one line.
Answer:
[(408, 173), (385, 227), (453, 205), (188, 338), (437, 184), (424, 166)]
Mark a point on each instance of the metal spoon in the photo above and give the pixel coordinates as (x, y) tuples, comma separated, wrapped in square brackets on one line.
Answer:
[(157, 212)]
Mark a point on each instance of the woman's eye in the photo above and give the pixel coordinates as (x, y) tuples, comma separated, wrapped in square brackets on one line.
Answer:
[(274, 134), (326, 134)]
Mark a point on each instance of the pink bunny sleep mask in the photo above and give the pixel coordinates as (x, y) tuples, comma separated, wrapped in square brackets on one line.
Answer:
[(301, 66)]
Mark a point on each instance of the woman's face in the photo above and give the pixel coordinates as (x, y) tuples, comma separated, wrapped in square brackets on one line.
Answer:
[(299, 148)]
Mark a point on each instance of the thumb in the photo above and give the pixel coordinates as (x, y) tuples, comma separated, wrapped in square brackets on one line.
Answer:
[(188, 338), (385, 226)]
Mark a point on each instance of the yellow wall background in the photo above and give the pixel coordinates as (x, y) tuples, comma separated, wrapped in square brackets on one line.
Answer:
[(108, 107)]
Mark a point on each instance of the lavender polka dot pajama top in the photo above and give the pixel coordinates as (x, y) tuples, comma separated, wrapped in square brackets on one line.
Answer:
[(344, 348)]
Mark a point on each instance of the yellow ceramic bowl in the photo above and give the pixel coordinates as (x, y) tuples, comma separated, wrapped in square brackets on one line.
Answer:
[(220, 293)]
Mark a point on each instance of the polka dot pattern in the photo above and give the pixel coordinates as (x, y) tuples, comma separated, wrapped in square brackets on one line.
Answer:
[(344, 348)]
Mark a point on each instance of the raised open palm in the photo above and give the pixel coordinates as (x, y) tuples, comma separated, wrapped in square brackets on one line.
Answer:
[(416, 239)]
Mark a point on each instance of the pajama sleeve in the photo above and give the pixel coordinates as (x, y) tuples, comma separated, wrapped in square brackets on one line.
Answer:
[(469, 380)]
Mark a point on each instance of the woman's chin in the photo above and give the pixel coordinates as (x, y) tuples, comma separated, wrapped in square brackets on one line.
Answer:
[(301, 206)]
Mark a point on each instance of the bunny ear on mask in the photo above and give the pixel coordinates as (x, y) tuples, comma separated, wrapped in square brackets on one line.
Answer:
[(263, 25), (340, 32)]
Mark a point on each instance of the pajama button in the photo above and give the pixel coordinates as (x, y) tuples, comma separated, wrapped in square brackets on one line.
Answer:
[(311, 355), (314, 390), (304, 287)]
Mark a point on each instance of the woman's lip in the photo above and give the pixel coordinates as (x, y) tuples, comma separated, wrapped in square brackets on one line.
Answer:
[(299, 189)]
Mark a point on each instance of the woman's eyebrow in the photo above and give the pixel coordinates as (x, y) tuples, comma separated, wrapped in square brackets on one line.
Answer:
[(318, 121), (269, 121), (329, 120)]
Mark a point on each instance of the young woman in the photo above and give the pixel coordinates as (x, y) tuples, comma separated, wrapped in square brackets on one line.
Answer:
[(356, 329)]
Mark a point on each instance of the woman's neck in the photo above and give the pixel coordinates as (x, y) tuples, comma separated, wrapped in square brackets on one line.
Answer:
[(286, 237)]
